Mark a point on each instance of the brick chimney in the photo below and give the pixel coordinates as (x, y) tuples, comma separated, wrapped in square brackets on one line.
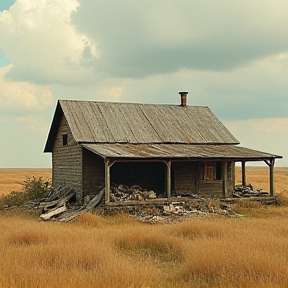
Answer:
[(183, 98)]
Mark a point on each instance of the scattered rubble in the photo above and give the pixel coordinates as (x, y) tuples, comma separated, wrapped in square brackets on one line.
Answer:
[(64, 204), (168, 212), (57, 205), (248, 191), (124, 193)]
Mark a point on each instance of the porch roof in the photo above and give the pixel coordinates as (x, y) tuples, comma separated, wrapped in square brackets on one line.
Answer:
[(177, 151)]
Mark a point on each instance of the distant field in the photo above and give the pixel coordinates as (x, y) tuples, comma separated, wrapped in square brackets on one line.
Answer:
[(259, 178), (11, 179)]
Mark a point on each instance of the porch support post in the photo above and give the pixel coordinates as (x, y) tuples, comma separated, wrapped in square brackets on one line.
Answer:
[(243, 174), (107, 180), (168, 179), (271, 166), (224, 177)]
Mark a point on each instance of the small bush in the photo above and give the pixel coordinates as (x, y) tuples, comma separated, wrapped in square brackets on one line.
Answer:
[(33, 188), (13, 199)]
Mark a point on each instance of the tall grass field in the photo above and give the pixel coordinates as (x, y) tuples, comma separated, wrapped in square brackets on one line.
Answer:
[(119, 251)]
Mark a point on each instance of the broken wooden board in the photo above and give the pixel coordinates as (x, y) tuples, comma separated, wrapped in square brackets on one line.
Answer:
[(58, 210), (52, 213)]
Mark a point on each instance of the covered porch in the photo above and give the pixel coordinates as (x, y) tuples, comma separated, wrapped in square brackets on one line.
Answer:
[(160, 165)]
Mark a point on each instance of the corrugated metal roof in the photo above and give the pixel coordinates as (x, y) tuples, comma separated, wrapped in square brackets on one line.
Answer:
[(107, 122), (175, 151)]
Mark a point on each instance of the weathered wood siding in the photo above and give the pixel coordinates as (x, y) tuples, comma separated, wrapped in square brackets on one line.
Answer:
[(66, 160), (184, 175), (188, 177), (214, 188), (93, 173)]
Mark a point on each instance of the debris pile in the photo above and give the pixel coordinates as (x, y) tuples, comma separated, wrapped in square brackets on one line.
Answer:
[(61, 205), (179, 211), (248, 191), (124, 193), (168, 212)]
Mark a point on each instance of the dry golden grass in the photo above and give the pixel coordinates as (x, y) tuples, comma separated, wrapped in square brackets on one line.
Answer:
[(99, 252), (259, 178), (213, 251), (11, 179)]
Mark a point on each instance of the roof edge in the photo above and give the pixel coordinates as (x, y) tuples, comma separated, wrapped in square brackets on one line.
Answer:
[(54, 128)]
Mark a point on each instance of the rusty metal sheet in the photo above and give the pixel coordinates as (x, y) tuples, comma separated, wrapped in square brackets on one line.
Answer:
[(177, 151)]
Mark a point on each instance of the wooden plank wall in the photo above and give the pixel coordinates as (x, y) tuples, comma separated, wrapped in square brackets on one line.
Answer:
[(184, 175), (93, 173), (66, 160)]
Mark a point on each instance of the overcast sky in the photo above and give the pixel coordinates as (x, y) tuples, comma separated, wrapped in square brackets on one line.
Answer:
[(230, 55)]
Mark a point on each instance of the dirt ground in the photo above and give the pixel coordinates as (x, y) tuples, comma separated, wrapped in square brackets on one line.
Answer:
[(11, 179)]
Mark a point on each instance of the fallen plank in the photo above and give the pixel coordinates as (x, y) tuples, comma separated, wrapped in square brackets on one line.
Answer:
[(56, 203), (93, 203), (52, 213), (70, 216)]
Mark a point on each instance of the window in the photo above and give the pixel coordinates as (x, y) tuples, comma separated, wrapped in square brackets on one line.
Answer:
[(212, 171), (209, 171), (65, 139)]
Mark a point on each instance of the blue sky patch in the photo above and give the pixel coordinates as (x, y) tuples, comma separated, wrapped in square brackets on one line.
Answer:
[(6, 4), (3, 59)]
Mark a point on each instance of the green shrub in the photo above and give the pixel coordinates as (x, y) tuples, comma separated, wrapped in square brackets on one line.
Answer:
[(33, 188), (36, 188), (13, 199)]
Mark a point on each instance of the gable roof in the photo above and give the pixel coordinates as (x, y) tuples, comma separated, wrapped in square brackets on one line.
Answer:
[(107, 122)]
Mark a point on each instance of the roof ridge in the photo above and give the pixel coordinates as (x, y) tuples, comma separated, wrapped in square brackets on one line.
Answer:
[(132, 103)]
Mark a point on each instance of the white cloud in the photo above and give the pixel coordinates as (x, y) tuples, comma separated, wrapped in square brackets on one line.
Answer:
[(42, 45), (141, 38), (267, 135), (22, 95)]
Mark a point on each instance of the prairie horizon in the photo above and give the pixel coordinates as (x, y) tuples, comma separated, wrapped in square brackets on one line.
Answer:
[(11, 179)]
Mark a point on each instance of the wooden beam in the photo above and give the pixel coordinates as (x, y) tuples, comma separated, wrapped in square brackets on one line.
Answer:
[(168, 179), (107, 180), (233, 174), (272, 177), (271, 164), (224, 177), (243, 173)]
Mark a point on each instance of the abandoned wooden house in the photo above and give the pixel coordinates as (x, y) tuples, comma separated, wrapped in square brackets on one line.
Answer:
[(170, 149)]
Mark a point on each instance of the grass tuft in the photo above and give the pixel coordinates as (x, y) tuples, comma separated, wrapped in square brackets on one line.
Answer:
[(25, 238)]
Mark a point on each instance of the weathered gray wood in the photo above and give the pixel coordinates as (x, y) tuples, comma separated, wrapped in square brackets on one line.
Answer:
[(93, 203), (52, 213), (272, 177), (70, 216), (271, 164), (107, 181), (224, 177), (168, 173), (243, 174), (56, 203)]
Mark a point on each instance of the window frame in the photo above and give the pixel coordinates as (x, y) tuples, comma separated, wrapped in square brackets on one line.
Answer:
[(65, 139), (213, 171)]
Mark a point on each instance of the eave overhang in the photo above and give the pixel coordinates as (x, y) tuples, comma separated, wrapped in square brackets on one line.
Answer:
[(177, 152)]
